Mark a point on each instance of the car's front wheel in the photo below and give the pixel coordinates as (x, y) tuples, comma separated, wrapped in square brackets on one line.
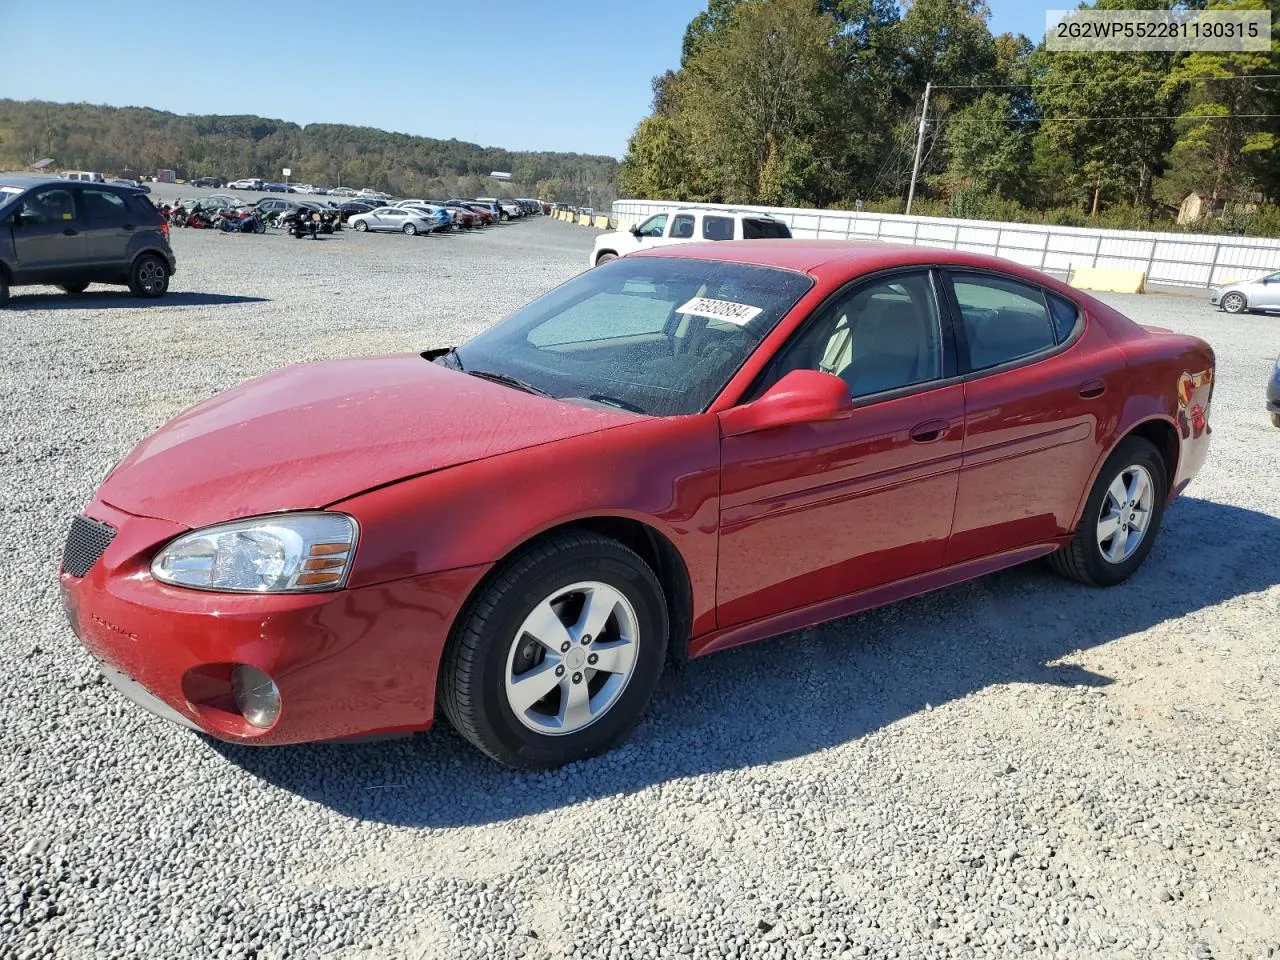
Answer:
[(1234, 303), (4, 287), (1121, 517), (555, 658), (410, 230), (149, 276)]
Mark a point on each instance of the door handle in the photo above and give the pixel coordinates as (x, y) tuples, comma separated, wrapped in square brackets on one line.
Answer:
[(127, 226), (1092, 389), (929, 431), (70, 232)]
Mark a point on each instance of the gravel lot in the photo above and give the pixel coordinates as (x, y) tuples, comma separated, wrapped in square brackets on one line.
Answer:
[(1016, 766)]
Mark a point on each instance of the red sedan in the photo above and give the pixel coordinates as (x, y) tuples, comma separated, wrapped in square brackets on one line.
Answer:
[(681, 451)]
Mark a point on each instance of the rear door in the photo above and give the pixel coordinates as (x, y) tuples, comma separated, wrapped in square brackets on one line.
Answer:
[(109, 225), (1042, 383), (47, 233)]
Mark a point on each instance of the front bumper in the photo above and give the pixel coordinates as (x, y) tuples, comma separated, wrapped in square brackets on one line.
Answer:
[(1215, 297), (348, 663)]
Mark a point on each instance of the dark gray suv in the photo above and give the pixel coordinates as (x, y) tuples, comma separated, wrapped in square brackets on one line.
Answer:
[(73, 234)]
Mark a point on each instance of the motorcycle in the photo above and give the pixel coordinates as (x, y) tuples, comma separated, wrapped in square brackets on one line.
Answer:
[(302, 223), (239, 221)]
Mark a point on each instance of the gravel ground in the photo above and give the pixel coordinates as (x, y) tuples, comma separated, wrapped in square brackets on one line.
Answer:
[(1015, 766)]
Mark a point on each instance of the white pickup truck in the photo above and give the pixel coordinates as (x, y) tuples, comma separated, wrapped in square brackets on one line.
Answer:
[(687, 226)]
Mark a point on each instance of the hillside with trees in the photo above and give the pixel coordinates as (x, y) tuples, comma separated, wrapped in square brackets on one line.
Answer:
[(816, 103), (116, 139)]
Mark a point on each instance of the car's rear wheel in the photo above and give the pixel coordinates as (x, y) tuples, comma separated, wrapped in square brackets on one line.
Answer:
[(149, 276), (410, 230), (361, 226), (557, 655), (1121, 517), (73, 288), (605, 258), (4, 287), (1275, 417), (1234, 303)]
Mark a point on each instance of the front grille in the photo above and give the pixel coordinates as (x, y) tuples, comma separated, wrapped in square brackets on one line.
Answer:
[(86, 542)]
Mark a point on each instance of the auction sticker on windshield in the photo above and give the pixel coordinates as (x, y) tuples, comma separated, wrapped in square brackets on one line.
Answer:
[(739, 313)]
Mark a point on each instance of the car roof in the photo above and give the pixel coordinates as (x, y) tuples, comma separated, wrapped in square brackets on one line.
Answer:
[(856, 256)]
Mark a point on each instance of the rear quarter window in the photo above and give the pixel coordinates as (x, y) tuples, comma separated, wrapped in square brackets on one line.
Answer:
[(765, 230), (141, 203)]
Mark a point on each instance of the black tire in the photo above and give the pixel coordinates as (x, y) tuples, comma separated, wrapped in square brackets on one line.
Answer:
[(4, 287), (73, 289), (361, 226), (606, 257), (410, 230), (1235, 303), (504, 215), (259, 227), (149, 277), (1275, 417), (473, 674), (1082, 559)]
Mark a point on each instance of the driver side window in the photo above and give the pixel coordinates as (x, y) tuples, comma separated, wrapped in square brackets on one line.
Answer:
[(880, 336), (49, 206), (653, 227)]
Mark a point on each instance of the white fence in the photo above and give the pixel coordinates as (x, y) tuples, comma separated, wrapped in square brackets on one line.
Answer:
[(1177, 259)]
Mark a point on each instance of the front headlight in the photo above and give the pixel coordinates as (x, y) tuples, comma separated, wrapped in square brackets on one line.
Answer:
[(283, 553)]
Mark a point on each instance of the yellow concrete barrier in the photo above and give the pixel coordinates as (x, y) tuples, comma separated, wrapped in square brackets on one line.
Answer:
[(1108, 279), (584, 220), (602, 223)]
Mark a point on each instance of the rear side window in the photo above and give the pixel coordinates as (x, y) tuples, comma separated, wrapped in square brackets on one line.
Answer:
[(142, 205), (765, 230), (682, 227), (102, 204), (717, 228), (1064, 315), (1003, 320)]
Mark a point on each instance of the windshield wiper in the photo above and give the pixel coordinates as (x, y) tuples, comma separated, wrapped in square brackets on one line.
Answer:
[(509, 381), (615, 402)]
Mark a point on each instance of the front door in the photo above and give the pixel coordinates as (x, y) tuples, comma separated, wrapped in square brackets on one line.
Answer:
[(815, 511), (47, 234)]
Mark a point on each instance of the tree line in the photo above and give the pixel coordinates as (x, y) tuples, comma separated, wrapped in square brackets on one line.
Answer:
[(816, 103), (137, 139)]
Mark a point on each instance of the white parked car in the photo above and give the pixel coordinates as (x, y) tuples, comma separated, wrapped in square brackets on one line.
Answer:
[(1262, 293), (249, 183), (398, 219), (508, 209), (688, 226), (342, 192)]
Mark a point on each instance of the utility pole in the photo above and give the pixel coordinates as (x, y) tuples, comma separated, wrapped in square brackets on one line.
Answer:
[(915, 167)]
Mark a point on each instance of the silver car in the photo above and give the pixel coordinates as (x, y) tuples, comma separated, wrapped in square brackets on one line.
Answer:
[(1262, 293), (399, 219)]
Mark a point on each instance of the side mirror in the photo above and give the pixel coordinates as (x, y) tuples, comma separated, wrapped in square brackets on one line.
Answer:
[(802, 396)]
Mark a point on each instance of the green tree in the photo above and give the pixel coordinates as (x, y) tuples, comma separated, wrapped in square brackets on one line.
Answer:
[(1220, 150), (986, 149)]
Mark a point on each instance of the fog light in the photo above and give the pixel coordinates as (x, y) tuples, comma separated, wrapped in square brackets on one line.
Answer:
[(256, 694)]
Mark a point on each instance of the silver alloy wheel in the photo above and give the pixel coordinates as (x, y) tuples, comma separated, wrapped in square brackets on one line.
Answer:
[(571, 658), (150, 275), (1125, 514), (1233, 303)]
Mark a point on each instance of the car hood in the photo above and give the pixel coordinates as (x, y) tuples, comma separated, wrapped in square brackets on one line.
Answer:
[(310, 435)]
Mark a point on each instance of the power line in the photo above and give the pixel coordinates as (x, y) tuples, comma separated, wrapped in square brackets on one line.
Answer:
[(1091, 83), (1228, 116)]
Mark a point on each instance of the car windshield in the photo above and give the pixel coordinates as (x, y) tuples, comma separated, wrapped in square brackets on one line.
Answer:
[(656, 335)]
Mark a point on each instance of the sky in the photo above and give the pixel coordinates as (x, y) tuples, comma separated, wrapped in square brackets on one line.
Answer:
[(569, 75)]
